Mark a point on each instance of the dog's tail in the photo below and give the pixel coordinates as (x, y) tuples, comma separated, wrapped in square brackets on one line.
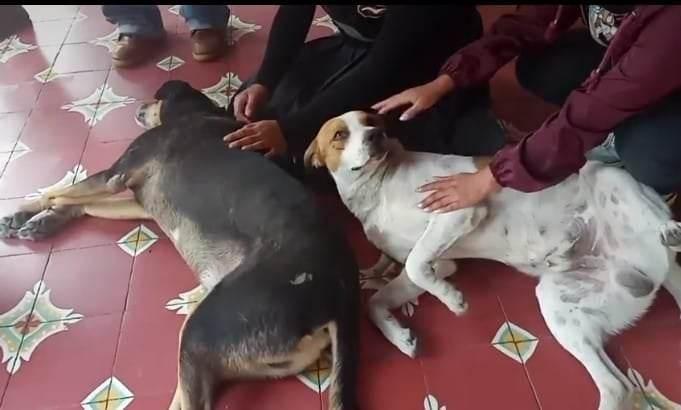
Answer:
[(345, 352)]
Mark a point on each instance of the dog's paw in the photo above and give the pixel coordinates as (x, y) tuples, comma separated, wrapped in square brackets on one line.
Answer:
[(408, 343), (670, 235), (43, 225), (11, 224), (456, 303)]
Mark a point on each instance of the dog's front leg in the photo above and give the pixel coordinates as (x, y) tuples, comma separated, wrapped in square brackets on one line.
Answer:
[(440, 234), (395, 294)]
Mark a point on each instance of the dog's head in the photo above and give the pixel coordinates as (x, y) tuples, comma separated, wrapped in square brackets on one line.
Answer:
[(348, 142), (174, 99)]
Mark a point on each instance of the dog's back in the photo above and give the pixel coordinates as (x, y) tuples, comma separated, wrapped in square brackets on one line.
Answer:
[(278, 272)]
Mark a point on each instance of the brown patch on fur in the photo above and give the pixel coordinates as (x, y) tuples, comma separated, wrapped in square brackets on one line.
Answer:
[(328, 145), (481, 162)]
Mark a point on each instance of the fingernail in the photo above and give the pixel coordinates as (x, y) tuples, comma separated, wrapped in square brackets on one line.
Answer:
[(420, 205), (403, 118)]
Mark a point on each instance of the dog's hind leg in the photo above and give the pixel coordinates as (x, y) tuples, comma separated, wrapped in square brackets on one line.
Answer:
[(98, 186), (50, 221), (580, 329)]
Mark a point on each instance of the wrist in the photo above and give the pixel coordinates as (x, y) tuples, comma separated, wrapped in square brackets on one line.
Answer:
[(443, 84), (491, 184)]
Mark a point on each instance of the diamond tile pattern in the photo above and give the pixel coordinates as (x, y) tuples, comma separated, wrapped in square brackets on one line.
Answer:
[(89, 320)]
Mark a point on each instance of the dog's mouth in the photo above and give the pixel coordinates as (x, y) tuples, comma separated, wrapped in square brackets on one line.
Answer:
[(374, 157), (148, 115)]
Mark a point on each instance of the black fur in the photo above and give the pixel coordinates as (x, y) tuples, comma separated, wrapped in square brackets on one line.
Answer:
[(242, 195)]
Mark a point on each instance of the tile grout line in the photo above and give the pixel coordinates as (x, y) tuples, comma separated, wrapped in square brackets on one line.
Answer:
[(120, 327)]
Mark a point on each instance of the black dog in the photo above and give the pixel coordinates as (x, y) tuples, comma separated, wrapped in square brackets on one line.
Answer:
[(282, 282)]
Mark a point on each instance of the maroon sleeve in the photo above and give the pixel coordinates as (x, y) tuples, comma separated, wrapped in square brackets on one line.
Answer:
[(648, 72), (511, 33)]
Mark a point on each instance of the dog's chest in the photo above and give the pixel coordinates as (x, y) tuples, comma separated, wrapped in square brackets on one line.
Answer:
[(395, 233)]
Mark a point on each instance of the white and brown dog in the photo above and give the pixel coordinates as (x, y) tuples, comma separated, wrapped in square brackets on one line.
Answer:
[(600, 243)]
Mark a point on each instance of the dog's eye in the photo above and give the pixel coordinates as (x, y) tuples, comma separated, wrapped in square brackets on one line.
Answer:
[(339, 135)]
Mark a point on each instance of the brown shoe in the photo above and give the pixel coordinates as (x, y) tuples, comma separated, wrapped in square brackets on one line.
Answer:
[(208, 44), (133, 50)]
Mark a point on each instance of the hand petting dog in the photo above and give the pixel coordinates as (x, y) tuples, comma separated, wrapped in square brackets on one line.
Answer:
[(458, 191), (263, 136)]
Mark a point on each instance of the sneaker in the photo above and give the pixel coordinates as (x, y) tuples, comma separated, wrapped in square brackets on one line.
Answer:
[(133, 50), (208, 44)]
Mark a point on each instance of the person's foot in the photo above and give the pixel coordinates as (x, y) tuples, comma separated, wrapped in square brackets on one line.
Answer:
[(13, 19), (208, 44), (133, 50)]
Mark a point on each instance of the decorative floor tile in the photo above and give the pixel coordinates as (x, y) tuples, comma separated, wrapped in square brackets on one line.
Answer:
[(155, 372), (138, 240), (108, 41), (15, 47), (185, 303), (650, 398), (93, 112), (457, 365), (11, 125), (36, 169), (18, 97), (317, 376), (82, 57), (119, 125), (84, 88), (223, 91), (55, 130), (170, 63), (76, 174), (46, 32), (515, 342), (67, 366), (431, 403), (31, 329), (238, 28), (94, 280), (110, 389), (47, 75), (175, 10), (24, 66), (325, 21)]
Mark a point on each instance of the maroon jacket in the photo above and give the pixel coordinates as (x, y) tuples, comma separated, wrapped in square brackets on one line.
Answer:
[(641, 66)]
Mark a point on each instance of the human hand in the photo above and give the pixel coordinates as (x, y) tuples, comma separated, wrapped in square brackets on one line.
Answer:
[(259, 136), (420, 98), (458, 191), (249, 101)]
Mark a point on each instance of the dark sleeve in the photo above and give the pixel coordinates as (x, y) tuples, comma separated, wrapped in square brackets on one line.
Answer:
[(509, 35), (646, 74), (406, 32), (287, 36)]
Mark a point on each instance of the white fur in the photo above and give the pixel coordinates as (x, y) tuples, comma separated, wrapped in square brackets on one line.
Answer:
[(595, 242)]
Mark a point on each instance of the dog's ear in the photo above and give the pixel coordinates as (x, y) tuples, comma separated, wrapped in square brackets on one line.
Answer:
[(312, 158), (173, 88)]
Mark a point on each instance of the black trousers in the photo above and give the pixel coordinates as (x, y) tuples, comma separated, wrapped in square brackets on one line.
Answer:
[(462, 123), (648, 144)]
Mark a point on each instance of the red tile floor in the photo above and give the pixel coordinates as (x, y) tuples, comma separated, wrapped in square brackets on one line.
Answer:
[(93, 315)]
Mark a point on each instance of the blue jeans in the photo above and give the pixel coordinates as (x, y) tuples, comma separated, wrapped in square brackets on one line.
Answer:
[(146, 20)]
